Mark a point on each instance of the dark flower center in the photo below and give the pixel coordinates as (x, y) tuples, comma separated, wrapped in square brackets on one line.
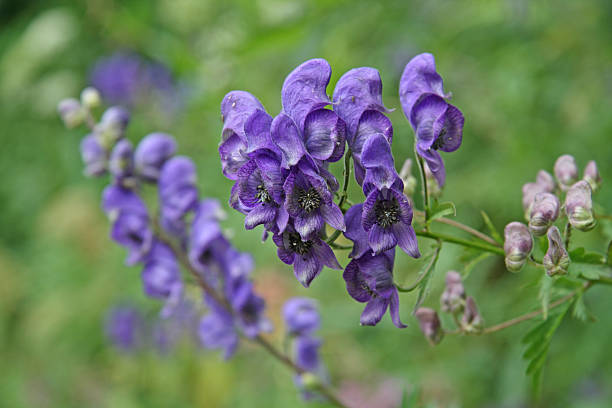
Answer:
[(309, 199), (439, 140), (262, 194), (135, 238), (365, 287), (297, 245), (387, 212)]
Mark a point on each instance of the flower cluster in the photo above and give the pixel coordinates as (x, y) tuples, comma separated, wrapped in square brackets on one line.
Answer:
[(185, 230), (542, 205)]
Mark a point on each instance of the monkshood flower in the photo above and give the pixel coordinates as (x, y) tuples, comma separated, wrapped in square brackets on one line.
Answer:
[(71, 112), (358, 101), (236, 108), (453, 297), (438, 125), (95, 157), (518, 244), (121, 164), (544, 184), (566, 171), (131, 224), (556, 260), (544, 211), (355, 232), (307, 257), (591, 175), (178, 193), (472, 321), (579, 206), (111, 126), (370, 279), (124, 328), (546, 180), (301, 316), (161, 277), (216, 329), (429, 323), (309, 202), (379, 166), (207, 245), (151, 154)]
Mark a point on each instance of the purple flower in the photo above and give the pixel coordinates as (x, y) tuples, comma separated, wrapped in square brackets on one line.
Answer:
[(71, 112), (301, 316), (131, 224), (216, 330), (95, 157), (178, 193), (355, 232), (112, 126), (377, 160), (310, 203), (579, 206), (247, 306), (387, 218), (471, 321), (566, 171), (124, 327), (151, 154), (161, 277), (544, 211), (556, 260), (438, 125), (121, 164), (370, 279), (236, 108), (307, 353), (307, 256), (518, 244), (429, 322), (206, 242)]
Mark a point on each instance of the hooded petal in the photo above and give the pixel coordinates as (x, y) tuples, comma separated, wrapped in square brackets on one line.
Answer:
[(394, 311), (287, 138), (381, 239), (304, 89), (262, 214), (324, 135), (355, 232), (419, 77), (355, 283), (374, 311), (257, 131), (449, 129), (371, 123), (425, 113), (151, 154)]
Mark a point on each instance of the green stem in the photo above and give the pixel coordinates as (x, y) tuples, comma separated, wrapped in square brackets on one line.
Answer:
[(459, 241), (347, 176), (333, 237), (423, 275), (424, 184), (568, 235), (463, 227), (338, 246)]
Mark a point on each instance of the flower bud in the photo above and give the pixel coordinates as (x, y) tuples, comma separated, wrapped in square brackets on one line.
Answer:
[(409, 180), (472, 321), (546, 180), (517, 245), (151, 154), (429, 322), (556, 260), (453, 297), (71, 112), (579, 206), (544, 211), (566, 171), (94, 156), (112, 126), (121, 163), (591, 175), (432, 183), (530, 190), (90, 98)]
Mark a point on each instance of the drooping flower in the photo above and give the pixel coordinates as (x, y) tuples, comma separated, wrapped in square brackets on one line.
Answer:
[(530, 190), (471, 322), (453, 297), (71, 112), (370, 279), (161, 277), (544, 211), (151, 154), (307, 353), (95, 157), (121, 164), (310, 203), (579, 206), (217, 331), (178, 193), (429, 322), (307, 256), (556, 260), (591, 175), (301, 316), (207, 245), (566, 171), (518, 244), (438, 125)]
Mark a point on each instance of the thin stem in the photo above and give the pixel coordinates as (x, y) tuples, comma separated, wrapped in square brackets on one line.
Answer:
[(347, 176), (426, 272), (534, 262), (263, 342), (568, 235), (460, 241), (424, 184), (463, 227), (333, 237), (531, 315), (339, 246)]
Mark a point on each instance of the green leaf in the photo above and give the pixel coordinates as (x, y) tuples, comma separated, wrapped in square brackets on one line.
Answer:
[(581, 255), (588, 271), (496, 236), (469, 266), (424, 285), (579, 311), (609, 254), (442, 210), (546, 285)]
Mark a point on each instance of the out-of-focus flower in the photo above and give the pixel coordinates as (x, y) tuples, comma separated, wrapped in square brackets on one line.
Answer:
[(161, 277), (112, 126), (429, 322), (178, 193), (453, 297), (151, 154), (95, 157), (518, 244), (579, 206), (71, 112), (90, 98), (544, 211), (472, 321), (301, 316), (566, 171), (591, 175), (556, 260), (124, 328), (121, 164)]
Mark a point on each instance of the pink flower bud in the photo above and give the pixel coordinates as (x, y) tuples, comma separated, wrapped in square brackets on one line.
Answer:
[(591, 175), (517, 245), (566, 171), (453, 297), (556, 260), (429, 322), (472, 321), (579, 206), (544, 211)]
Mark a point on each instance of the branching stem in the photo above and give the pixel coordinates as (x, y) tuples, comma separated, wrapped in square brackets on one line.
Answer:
[(426, 272)]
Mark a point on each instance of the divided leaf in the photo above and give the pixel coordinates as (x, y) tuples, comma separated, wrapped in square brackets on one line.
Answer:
[(442, 210), (487, 220)]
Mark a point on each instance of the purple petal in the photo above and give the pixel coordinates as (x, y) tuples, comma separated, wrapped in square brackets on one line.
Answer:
[(236, 107), (333, 216), (151, 154), (304, 89), (406, 239), (232, 151), (368, 215), (374, 311), (377, 152), (261, 214), (324, 135), (257, 131), (394, 311), (425, 113), (306, 268), (435, 164), (288, 139), (371, 123), (308, 225), (354, 282), (355, 231), (381, 239), (449, 129), (325, 255)]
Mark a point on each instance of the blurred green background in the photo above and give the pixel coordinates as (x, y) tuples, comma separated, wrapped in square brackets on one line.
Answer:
[(533, 78)]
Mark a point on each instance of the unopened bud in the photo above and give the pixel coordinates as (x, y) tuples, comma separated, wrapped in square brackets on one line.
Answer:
[(566, 171), (94, 156), (409, 180), (546, 180), (453, 297), (90, 98), (121, 163), (556, 260), (429, 322), (71, 112), (518, 244), (591, 175), (151, 154), (310, 382), (530, 190), (472, 321), (112, 125), (544, 211), (579, 206)]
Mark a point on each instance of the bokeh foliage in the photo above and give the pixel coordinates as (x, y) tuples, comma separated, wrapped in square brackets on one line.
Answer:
[(534, 80)]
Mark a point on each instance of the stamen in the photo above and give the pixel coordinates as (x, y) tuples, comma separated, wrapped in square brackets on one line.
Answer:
[(309, 199), (262, 194), (297, 245), (387, 212)]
